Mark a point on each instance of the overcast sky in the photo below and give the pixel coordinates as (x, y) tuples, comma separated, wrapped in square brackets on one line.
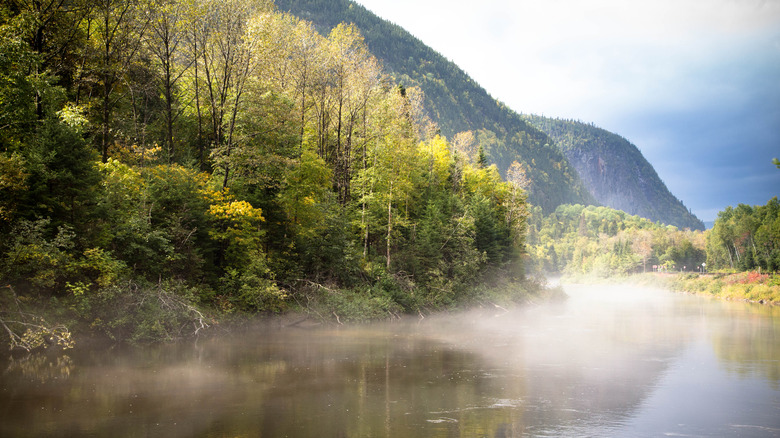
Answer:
[(695, 84)]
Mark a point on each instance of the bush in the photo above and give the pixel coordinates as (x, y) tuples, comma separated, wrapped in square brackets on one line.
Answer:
[(251, 289), (129, 312), (34, 258), (359, 306)]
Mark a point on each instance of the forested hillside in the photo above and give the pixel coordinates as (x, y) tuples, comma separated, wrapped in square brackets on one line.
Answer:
[(615, 172), (599, 240), (456, 103), (604, 242), (165, 160)]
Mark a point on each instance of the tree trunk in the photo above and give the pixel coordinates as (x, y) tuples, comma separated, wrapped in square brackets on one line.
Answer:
[(389, 223)]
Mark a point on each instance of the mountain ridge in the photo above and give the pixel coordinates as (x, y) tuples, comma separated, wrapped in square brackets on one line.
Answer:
[(615, 172), (457, 103)]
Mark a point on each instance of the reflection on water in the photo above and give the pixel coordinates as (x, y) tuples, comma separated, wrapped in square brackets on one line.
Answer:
[(614, 361)]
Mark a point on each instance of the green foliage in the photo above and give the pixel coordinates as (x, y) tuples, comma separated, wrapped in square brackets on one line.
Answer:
[(250, 288), (233, 164), (154, 218), (306, 194), (358, 305), (100, 266), (37, 255), (746, 238), (127, 311), (13, 183), (604, 242)]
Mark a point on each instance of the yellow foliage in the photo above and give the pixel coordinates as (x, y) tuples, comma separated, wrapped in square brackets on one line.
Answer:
[(121, 180), (235, 220), (236, 211), (487, 182), (436, 156), (135, 154)]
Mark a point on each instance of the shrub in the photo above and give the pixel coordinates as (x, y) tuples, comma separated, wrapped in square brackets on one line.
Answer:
[(129, 312), (34, 258)]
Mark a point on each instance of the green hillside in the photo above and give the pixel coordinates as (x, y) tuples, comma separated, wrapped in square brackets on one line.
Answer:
[(161, 169), (558, 157), (616, 173), (455, 102)]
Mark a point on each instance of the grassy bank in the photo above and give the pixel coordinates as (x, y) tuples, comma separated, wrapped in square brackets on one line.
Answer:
[(743, 286)]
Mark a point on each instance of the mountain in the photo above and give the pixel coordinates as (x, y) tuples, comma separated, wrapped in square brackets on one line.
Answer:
[(616, 173), (455, 102), (559, 173)]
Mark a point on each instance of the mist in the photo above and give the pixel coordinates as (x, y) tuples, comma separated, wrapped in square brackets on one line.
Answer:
[(608, 360)]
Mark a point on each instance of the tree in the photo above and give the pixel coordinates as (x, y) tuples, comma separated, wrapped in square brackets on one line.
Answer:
[(56, 176), (384, 184), (54, 32), (116, 29), (355, 76), (517, 211), (166, 39), (227, 61), (465, 144)]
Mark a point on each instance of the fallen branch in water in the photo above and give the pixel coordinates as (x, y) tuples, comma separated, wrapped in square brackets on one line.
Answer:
[(28, 331), (498, 307)]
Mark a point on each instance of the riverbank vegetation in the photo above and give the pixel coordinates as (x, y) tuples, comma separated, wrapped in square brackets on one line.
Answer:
[(737, 259), (743, 286), (581, 241), (165, 162), (599, 241)]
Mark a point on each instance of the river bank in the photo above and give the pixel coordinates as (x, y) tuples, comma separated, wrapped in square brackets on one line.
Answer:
[(612, 360), (136, 314), (752, 286)]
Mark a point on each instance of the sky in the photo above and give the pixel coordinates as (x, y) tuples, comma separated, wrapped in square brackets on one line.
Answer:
[(694, 84)]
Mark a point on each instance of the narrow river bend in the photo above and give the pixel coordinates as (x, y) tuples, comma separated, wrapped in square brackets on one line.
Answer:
[(609, 361)]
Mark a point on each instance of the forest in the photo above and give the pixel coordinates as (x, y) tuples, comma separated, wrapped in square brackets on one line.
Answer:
[(746, 238), (603, 242), (170, 165), (166, 164), (456, 103)]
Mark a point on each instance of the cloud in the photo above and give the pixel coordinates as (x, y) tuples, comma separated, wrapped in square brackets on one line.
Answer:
[(694, 84)]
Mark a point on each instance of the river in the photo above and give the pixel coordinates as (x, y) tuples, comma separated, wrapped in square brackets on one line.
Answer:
[(609, 361)]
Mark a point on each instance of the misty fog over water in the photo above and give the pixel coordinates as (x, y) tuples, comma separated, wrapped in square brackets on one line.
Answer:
[(608, 361)]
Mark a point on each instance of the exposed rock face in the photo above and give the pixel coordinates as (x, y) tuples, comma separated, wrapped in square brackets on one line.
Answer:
[(616, 173)]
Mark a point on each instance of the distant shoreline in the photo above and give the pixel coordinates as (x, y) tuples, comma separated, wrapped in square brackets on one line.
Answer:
[(751, 286)]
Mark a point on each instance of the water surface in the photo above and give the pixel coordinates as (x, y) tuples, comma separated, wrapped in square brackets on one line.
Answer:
[(610, 361)]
